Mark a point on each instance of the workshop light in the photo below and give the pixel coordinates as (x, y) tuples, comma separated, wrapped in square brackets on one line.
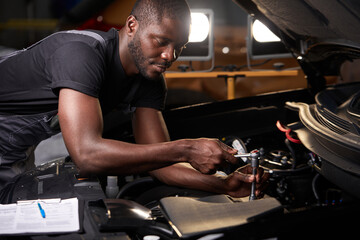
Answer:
[(201, 40), (262, 33), (200, 27)]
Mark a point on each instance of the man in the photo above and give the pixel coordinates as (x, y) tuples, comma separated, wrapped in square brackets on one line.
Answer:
[(82, 75)]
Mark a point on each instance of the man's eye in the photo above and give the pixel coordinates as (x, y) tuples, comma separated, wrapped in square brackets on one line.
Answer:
[(160, 42)]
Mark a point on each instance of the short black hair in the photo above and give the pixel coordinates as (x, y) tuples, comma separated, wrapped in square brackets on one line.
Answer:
[(150, 11)]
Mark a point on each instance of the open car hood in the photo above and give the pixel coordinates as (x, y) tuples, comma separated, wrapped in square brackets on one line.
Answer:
[(321, 34)]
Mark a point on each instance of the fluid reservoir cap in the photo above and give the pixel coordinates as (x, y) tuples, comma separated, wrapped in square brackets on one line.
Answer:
[(151, 237)]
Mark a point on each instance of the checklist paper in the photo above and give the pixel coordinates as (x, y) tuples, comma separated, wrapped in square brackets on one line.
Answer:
[(61, 215)]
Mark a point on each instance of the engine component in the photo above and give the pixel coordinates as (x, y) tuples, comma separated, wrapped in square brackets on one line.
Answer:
[(237, 144), (112, 187)]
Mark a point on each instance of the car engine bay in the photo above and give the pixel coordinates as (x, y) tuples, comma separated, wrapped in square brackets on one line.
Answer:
[(298, 199)]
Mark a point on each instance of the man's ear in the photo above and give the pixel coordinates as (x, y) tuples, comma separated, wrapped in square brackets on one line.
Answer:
[(131, 25)]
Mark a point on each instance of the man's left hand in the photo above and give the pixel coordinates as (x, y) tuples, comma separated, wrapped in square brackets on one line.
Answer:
[(238, 183)]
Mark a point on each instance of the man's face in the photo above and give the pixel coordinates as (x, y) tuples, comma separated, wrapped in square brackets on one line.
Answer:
[(156, 46)]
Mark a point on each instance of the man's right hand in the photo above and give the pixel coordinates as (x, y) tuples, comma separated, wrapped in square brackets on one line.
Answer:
[(207, 155)]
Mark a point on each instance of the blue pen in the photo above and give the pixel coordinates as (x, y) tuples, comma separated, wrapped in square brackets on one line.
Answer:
[(41, 210)]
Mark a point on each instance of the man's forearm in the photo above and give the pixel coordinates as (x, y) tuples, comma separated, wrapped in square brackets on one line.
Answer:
[(183, 175), (114, 157)]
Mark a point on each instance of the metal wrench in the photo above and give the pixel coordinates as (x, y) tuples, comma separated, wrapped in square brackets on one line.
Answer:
[(254, 157)]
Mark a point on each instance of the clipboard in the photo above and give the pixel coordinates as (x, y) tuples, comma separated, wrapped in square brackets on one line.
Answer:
[(24, 217)]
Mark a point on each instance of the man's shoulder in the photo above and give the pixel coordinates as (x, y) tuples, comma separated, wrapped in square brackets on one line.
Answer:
[(95, 39)]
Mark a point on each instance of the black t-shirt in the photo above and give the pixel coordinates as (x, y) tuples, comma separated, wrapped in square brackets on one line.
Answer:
[(86, 61)]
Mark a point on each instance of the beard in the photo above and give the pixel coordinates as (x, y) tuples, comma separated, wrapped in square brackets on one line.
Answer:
[(139, 58)]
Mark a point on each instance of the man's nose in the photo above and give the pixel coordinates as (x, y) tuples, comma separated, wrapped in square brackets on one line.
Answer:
[(169, 54)]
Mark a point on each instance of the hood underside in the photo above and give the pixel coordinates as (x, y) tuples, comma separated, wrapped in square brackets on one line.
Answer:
[(314, 29)]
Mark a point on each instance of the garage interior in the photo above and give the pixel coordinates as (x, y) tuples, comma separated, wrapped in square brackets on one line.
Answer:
[(230, 94)]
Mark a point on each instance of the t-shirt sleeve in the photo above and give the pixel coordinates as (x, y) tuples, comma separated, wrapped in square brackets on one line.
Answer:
[(152, 94), (77, 66)]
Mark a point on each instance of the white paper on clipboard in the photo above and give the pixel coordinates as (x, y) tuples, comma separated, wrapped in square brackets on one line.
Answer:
[(61, 215)]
